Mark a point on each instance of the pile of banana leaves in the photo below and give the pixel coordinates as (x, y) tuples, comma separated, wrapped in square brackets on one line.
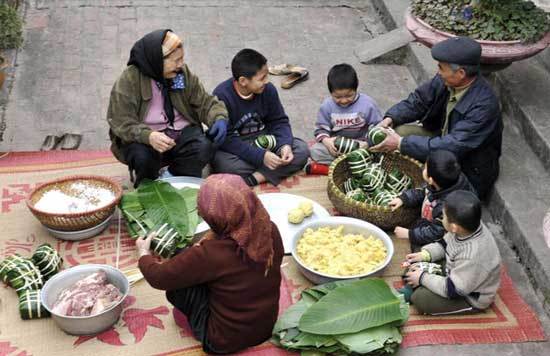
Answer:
[(155, 204), (344, 317)]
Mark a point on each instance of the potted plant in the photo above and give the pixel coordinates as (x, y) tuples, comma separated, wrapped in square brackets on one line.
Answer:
[(508, 30), (11, 32)]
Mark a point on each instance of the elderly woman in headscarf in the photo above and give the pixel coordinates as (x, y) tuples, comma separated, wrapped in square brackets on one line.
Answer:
[(156, 111), (227, 284)]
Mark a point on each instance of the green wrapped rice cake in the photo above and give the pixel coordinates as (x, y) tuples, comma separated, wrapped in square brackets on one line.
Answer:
[(165, 242), (376, 135), (358, 161), (350, 184), (345, 145), (30, 306), (24, 276), (383, 197), (358, 195), (397, 182), (373, 178), (267, 142), (48, 260), (7, 264)]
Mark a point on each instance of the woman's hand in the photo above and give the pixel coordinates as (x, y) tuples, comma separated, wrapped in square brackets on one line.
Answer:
[(144, 244)]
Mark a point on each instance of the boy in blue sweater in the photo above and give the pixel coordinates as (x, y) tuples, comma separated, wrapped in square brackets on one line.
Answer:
[(345, 113), (255, 109)]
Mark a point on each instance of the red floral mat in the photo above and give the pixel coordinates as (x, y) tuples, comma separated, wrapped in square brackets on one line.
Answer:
[(147, 325)]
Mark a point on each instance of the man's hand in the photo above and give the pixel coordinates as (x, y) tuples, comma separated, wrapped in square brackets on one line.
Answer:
[(401, 232), (390, 143), (395, 204), (144, 244), (387, 122), (160, 142), (329, 144), (272, 161), (286, 155), (218, 131), (412, 277)]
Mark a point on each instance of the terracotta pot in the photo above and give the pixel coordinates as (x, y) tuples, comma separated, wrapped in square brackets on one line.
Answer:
[(492, 52)]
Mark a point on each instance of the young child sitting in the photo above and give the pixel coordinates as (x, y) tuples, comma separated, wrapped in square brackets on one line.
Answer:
[(227, 284), (254, 110), (442, 175), (345, 113), (472, 262)]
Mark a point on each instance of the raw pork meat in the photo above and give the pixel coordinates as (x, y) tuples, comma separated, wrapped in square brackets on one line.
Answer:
[(89, 296)]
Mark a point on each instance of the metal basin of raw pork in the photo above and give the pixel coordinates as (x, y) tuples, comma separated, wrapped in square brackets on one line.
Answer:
[(60, 296)]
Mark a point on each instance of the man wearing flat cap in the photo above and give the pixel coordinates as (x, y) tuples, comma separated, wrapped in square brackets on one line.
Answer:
[(157, 111), (456, 111)]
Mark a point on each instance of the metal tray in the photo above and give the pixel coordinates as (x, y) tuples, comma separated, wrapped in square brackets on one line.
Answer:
[(191, 182), (278, 205), (81, 234)]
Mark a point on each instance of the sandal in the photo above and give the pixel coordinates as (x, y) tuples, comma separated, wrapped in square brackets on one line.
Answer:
[(285, 69), (294, 78)]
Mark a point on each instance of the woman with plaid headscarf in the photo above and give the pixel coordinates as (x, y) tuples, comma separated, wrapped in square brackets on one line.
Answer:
[(228, 284)]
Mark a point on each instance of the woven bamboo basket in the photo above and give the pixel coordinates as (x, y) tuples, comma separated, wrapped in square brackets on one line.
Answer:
[(74, 221), (381, 216)]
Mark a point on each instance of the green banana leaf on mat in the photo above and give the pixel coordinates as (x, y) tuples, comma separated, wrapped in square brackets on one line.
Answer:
[(367, 323), (156, 203)]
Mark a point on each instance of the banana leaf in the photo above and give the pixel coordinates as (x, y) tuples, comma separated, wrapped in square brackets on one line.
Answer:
[(291, 316), (133, 213), (368, 303), (7, 264), (190, 197), (369, 340), (25, 276), (48, 260), (30, 306)]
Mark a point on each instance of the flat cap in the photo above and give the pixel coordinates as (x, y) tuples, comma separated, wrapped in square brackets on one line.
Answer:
[(457, 50)]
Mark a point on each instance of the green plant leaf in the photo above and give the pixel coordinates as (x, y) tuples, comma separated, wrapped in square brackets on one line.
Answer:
[(371, 339), (369, 303), (291, 316)]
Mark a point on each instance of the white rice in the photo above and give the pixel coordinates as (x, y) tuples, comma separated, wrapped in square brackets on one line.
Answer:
[(85, 198)]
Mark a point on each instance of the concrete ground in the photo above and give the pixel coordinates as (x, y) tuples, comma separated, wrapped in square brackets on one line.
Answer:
[(75, 49)]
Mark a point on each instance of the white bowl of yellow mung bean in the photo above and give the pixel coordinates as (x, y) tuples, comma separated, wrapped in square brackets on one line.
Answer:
[(340, 248)]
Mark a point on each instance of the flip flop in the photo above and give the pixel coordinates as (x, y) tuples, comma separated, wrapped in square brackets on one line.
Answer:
[(284, 69), (294, 78)]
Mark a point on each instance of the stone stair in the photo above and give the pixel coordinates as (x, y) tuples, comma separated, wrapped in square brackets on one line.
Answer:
[(521, 196)]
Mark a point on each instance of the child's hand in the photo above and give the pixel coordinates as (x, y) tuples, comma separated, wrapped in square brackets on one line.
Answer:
[(286, 155), (413, 258), (395, 204), (412, 277), (401, 232), (329, 144), (272, 161)]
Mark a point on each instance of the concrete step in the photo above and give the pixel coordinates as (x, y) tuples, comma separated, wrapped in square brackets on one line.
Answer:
[(524, 90), (519, 202), (383, 44)]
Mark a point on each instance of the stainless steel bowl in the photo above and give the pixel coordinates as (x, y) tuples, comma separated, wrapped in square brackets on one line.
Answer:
[(351, 225), (84, 325)]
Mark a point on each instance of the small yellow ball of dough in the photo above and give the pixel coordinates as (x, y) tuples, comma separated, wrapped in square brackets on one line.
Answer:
[(295, 216), (306, 207)]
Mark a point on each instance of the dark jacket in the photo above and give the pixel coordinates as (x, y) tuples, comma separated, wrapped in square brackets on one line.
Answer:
[(243, 301), (427, 231), (475, 128), (130, 99)]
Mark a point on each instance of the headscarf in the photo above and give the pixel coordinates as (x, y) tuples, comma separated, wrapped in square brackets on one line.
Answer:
[(234, 211), (148, 53)]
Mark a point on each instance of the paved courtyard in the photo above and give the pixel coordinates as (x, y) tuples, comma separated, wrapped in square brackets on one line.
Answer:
[(75, 49)]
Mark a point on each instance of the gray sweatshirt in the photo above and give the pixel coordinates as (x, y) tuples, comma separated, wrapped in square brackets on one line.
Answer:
[(350, 121), (473, 268)]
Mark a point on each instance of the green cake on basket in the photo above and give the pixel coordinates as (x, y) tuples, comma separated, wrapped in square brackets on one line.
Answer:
[(361, 184)]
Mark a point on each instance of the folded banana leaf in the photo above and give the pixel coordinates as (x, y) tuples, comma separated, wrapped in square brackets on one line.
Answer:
[(156, 204), (344, 305), (24, 276), (30, 306), (7, 264), (164, 244), (48, 260)]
